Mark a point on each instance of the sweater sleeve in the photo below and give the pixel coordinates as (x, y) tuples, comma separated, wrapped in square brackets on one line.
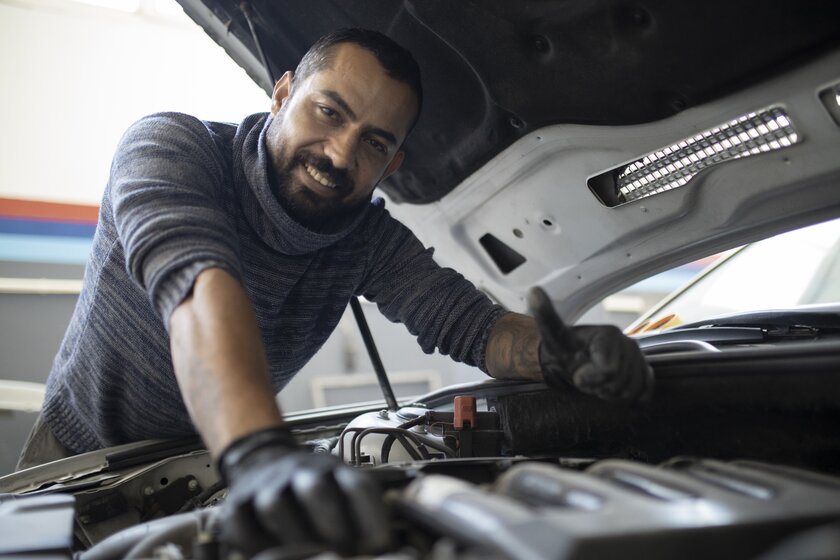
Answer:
[(165, 190), (439, 306)]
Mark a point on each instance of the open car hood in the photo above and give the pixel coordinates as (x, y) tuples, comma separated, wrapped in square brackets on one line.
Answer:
[(517, 172)]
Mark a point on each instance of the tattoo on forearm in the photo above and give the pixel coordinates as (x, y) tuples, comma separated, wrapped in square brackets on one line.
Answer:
[(512, 351)]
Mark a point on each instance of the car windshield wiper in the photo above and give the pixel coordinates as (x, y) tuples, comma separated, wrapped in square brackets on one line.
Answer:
[(758, 327), (699, 338)]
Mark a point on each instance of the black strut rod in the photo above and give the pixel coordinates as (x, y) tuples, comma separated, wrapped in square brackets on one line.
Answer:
[(248, 12), (381, 376)]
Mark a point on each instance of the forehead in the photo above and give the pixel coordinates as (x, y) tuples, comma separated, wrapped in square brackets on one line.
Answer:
[(375, 98)]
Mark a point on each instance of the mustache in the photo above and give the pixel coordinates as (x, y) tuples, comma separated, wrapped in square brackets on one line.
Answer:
[(325, 166)]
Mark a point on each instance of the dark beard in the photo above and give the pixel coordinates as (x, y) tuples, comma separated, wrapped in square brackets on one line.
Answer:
[(306, 207)]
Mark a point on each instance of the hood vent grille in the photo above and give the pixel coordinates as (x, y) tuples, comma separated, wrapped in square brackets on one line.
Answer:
[(675, 165)]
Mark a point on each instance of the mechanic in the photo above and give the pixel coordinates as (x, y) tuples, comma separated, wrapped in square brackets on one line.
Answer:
[(225, 256)]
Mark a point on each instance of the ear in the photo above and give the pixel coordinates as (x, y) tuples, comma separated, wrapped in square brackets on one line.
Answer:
[(282, 90), (394, 165)]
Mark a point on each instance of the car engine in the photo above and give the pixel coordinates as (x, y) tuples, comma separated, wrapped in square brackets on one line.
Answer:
[(731, 459)]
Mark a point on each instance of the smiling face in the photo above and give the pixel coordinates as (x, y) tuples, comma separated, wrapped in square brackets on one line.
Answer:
[(335, 136)]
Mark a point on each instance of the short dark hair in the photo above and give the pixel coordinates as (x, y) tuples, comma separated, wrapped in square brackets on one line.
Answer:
[(397, 61)]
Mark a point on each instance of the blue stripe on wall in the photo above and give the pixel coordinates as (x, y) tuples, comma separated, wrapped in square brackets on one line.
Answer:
[(40, 227), (44, 249)]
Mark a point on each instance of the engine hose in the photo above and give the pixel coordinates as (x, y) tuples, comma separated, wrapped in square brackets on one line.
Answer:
[(183, 534), (119, 544), (356, 430), (385, 454), (422, 440), (419, 454), (413, 422), (341, 443), (356, 442)]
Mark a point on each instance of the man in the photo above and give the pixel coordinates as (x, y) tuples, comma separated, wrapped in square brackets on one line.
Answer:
[(225, 256)]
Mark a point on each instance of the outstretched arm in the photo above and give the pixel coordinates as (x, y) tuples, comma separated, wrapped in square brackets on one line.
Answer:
[(277, 493), (220, 363), (598, 360)]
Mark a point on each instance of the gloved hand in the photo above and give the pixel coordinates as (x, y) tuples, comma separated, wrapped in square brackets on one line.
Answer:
[(280, 495), (599, 360)]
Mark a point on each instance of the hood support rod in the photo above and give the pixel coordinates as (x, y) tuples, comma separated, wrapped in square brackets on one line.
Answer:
[(248, 12), (370, 345)]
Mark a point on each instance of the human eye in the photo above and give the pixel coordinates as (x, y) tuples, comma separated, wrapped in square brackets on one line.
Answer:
[(377, 145), (328, 112)]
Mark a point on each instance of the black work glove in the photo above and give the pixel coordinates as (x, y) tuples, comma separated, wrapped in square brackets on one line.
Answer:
[(599, 360), (281, 495)]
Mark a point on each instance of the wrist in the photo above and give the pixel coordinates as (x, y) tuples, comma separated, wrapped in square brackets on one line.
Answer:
[(554, 373), (242, 450)]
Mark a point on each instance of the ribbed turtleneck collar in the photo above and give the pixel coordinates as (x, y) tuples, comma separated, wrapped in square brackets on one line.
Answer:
[(262, 209)]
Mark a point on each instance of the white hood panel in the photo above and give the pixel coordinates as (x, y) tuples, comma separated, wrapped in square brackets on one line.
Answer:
[(580, 250)]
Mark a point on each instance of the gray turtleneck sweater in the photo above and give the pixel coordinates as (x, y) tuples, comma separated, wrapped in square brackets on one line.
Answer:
[(186, 195)]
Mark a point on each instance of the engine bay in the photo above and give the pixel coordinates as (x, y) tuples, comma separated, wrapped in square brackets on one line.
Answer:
[(727, 461)]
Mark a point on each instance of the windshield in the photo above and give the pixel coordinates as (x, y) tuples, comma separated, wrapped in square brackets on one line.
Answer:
[(795, 268)]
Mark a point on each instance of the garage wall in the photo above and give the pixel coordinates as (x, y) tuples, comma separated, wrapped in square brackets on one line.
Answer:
[(75, 76)]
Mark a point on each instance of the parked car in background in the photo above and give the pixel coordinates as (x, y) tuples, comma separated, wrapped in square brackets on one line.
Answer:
[(581, 146)]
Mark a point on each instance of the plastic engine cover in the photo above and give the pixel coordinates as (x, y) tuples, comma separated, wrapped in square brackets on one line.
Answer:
[(620, 509)]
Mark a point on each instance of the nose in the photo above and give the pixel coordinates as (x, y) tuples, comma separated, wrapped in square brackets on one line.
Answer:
[(341, 149)]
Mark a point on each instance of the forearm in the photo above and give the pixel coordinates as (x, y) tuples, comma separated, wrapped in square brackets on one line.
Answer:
[(220, 363), (513, 348)]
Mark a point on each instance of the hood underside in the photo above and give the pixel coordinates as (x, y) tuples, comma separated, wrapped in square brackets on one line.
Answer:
[(494, 70), (554, 134)]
